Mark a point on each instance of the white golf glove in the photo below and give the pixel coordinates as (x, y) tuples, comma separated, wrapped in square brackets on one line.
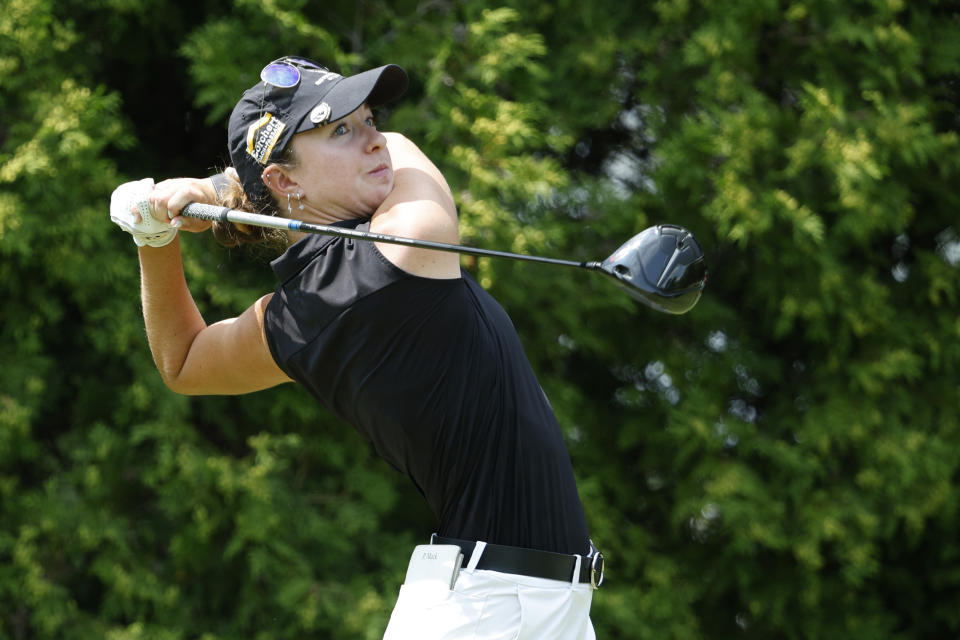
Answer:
[(149, 230)]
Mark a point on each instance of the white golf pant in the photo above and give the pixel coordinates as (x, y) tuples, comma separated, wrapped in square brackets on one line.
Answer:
[(490, 605)]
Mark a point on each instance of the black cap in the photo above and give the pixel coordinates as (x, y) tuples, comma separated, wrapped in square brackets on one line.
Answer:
[(267, 117)]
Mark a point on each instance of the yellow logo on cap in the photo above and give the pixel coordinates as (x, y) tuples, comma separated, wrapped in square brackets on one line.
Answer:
[(262, 136)]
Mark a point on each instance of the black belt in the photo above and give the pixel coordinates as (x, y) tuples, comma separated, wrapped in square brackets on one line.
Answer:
[(533, 562)]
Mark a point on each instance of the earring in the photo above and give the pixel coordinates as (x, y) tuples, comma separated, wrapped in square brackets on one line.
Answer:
[(289, 206), (299, 202)]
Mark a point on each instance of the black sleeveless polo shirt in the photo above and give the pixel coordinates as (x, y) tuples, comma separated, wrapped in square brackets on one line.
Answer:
[(433, 374)]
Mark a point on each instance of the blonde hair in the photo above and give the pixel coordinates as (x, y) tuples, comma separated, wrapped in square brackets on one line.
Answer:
[(233, 196)]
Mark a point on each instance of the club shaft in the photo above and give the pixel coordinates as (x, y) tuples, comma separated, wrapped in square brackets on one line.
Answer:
[(223, 214)]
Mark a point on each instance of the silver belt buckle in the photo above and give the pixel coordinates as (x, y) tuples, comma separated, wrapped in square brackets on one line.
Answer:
[(597, 564)]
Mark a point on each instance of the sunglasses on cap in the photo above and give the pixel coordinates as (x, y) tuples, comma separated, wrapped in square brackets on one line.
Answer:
[(284, 73)]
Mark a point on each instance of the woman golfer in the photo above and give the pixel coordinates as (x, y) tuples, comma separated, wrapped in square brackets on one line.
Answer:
[(399, 342)]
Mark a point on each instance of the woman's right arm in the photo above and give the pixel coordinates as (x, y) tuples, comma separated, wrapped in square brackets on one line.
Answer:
[(225, 358)]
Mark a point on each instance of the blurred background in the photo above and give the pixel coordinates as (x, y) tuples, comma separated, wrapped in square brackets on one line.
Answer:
[(781, 462)]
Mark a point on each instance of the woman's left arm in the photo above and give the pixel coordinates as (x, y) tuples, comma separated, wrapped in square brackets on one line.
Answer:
[(420, 206)]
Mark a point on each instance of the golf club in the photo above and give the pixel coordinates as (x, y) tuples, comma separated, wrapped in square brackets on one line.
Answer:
[(662, 267)]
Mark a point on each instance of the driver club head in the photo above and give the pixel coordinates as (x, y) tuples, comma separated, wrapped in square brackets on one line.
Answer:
[(663, 267)]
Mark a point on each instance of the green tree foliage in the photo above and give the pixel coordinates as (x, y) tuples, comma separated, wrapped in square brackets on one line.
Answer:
[(780, 462)]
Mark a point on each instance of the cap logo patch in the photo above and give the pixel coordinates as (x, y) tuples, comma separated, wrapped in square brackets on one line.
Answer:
[(262, 136), (320, 113), (330, 75)]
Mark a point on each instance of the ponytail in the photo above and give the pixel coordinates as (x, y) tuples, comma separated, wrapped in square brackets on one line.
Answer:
[(229, 234), (230, 194)]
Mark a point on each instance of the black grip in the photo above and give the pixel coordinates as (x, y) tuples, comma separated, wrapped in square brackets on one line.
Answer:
[(206, 212)]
